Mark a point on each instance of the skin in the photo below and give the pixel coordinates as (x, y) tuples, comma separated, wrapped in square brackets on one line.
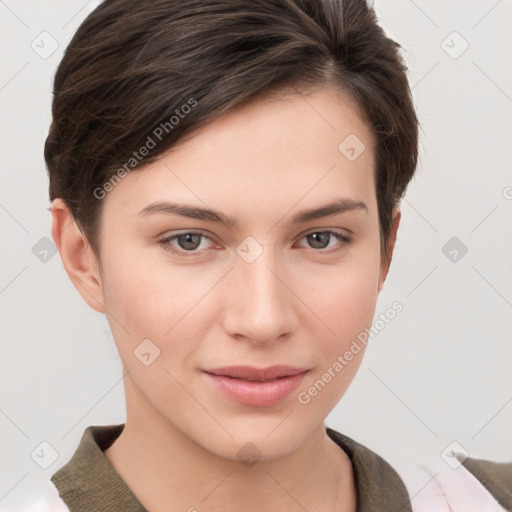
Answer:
[(295, 304)]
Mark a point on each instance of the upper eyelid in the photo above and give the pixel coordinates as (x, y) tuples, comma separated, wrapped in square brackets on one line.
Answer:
[(186, 232)]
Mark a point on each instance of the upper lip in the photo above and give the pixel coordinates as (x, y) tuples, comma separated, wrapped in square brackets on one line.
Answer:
[(252, 373)]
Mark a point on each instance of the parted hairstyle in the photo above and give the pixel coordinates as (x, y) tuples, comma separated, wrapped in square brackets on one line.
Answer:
[(141, 73)]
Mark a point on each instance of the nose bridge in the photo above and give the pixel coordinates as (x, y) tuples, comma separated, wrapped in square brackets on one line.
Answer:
[(257, 266), (260, 306)]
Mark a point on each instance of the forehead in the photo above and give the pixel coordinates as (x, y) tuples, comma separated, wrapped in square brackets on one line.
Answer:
[(309, 124), (281, 148)]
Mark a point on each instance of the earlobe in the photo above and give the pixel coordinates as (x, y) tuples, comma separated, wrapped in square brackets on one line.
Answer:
[(77, 255), (385, 264)]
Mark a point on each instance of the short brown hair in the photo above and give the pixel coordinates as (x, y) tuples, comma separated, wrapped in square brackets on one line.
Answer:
[(132, 65)]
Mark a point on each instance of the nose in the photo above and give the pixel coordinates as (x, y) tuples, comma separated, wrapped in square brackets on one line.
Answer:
[(260, 304)]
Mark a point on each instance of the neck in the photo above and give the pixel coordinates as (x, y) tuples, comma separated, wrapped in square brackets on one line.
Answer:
[(166, 470)]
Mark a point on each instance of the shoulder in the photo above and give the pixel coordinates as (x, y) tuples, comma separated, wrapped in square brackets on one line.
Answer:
[(431, 483), (496, 477)]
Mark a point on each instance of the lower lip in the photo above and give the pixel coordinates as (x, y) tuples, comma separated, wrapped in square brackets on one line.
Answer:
[(254, 393)]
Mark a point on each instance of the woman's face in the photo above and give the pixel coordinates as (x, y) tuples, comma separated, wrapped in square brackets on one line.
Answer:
[(262, 291)]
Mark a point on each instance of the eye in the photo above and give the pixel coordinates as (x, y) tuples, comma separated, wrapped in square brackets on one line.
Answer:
[(188, 243), (319, 239)]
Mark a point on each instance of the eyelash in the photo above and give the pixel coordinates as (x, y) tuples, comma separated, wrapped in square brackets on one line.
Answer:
[(164, 242)]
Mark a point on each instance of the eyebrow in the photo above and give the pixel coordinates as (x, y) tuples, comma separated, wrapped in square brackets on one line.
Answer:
[(195, 212)]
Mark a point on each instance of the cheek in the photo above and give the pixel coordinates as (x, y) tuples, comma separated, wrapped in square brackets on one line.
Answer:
[(151, 302), (169, 305), (346, 308), (345, 302), (146, 296), (350, 305), (345, 297)]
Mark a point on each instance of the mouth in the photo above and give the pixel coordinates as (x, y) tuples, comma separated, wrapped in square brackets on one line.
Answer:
[(253, 374), (256, 387)]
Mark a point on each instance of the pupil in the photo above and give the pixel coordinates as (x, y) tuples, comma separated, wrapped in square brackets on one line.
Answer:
[(188, 238), (317, 237)]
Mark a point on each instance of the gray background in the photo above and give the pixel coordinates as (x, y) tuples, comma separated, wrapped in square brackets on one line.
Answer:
[(439, 372)]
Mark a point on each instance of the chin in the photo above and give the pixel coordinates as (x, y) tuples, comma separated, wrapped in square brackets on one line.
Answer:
[(260, 441)]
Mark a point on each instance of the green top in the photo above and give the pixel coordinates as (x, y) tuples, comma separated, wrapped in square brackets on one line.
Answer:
[(496, 477), (89, 483)]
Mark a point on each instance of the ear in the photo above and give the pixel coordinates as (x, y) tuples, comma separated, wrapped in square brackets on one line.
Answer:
[(77, 255), (386, 262)]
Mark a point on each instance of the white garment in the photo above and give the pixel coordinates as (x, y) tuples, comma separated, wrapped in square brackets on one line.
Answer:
[(48, 501), (434, 486), (431, 488)]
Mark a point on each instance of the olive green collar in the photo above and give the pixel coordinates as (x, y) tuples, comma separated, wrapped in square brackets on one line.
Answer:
[(89, 482)]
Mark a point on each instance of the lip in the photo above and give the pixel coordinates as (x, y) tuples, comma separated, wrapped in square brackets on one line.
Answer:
[(253, 373), (254, 386)]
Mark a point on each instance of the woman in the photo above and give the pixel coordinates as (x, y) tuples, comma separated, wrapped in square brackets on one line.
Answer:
[(225, 181)]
